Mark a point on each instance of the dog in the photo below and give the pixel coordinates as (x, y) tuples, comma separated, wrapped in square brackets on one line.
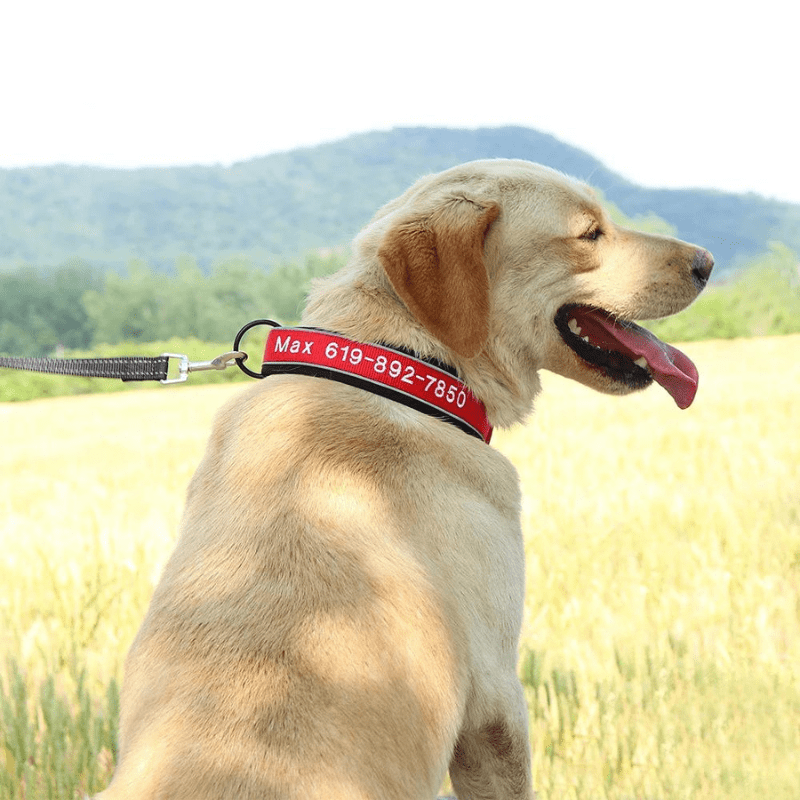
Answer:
[(340, 617)]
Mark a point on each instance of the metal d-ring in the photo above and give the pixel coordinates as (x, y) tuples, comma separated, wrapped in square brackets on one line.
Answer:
[(254, 324)]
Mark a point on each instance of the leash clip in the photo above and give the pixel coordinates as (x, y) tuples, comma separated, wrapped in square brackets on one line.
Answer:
[(185, 366)]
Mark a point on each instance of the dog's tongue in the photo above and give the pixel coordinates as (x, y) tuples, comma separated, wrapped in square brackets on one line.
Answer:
[(669, 367)]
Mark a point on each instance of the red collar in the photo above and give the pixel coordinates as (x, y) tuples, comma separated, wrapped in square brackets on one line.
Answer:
[(421, 384)]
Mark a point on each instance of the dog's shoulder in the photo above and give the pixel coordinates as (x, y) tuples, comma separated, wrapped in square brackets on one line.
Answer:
[(310, 426)]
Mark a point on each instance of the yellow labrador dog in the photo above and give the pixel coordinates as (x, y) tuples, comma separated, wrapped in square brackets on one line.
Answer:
[(340, 617)]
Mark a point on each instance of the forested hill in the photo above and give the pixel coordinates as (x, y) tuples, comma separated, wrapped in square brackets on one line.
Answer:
[(276, 207)]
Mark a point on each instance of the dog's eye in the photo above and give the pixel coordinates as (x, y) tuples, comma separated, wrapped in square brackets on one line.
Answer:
[(593, 234)]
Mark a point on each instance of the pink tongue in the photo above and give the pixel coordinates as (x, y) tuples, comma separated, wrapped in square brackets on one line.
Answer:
[(669, 367)]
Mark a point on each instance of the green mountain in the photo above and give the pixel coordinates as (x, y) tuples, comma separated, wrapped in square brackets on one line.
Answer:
[(274, 208)]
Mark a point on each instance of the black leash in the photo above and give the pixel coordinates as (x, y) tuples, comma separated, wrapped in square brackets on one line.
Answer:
[(138, 368), (125, 368)]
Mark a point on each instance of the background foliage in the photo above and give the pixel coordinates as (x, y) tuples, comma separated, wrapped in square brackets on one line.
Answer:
[(149, 255), (78, 308), (145, 312)]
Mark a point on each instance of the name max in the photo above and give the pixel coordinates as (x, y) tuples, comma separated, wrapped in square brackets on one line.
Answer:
[(290, 345)]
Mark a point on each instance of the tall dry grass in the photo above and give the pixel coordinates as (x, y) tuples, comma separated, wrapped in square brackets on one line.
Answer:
[(661, 644), (663, 600)]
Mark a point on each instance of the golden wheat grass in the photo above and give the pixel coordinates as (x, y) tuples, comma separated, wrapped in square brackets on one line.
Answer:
[(661, 643)]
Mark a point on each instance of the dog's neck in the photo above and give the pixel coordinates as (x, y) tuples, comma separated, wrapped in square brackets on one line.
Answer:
[(369, 311)]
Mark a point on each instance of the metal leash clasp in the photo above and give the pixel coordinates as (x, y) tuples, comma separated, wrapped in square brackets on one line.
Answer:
[(220, 362), (185, 366)]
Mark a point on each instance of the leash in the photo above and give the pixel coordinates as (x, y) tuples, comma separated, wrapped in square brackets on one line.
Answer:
[(424, 384), (125, 368)]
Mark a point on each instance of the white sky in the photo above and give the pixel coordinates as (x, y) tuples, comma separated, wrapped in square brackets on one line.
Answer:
[(669, 93)]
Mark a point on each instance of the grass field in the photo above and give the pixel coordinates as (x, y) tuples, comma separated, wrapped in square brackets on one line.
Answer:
[(661, 644)]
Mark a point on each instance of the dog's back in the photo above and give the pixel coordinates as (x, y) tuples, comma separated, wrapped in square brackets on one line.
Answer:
[(308, 637)]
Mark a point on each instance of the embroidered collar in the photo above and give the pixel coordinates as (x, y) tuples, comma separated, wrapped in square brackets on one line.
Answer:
[(425, 385)]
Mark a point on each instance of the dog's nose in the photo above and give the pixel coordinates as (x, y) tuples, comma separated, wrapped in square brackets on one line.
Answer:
[(702, 265)]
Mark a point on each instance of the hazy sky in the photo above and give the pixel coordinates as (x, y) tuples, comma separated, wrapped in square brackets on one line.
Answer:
[(678, 93)]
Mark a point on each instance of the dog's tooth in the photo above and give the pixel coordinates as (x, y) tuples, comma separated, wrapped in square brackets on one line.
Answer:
[(641, 362), (585, 338), (574, 327)]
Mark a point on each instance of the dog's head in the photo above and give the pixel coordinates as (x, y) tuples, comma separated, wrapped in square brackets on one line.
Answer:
[(513, 267)]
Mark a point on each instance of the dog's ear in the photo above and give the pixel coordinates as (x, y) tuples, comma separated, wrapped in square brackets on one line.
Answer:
[(435, 264)]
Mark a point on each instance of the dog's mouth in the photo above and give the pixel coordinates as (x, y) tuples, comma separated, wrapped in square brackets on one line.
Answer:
[(626, 352)]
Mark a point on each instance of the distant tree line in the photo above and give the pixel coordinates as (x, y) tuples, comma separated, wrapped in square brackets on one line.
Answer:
[(41, 310), (77, 307)]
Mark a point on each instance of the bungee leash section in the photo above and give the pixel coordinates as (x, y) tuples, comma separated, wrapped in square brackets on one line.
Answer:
[(396, 373)]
